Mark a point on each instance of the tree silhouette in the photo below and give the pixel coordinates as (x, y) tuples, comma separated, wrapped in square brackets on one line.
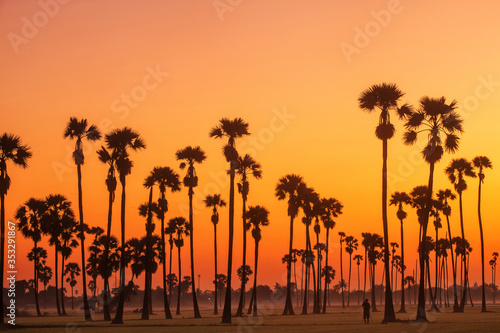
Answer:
[(385, 97), (372, 242), (11, 149), (220, 281), (358, 259), (493, 264), (232, 129), (79, 130), (438, 119), (69, 231), (341, 241), (351, 244), (214, 201), (44, 276), (181, 228), (73, 270), (93, 260)]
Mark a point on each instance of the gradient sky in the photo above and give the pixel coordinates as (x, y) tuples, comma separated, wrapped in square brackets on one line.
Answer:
[(258, 60)]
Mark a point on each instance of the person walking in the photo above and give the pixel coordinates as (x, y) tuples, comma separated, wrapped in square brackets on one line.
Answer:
[(366, 311)]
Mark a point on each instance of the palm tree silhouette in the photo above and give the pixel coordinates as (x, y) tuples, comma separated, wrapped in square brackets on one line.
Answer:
[(69, 231), (393, 245), (247, 166), (232, 129), (351, 244), (79, 130), (44, 276), (480, 163), (30, 217), (493, 264), (214, 201), (456, 171), (258, 217), (170, 231), (191, 155), (438, 119), (385, 97), (372, 242), (120, 141), (92, 267), (73, 270), (358, 259), (181, 228), (341, 240), (146, 210), (11, 149), (399, 199), (289, 186)]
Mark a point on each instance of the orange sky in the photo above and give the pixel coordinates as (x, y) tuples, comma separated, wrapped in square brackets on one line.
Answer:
[(263, 58)]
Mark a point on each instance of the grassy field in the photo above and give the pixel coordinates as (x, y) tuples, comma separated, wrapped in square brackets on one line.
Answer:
[(337, 319)]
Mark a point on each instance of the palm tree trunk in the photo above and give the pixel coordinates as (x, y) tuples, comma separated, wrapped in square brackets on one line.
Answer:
[(88, 316), (464, 256), (145, 303), (121, 300), (38, 313), (364, 279), (402, 310), (166, 304), (326, 277), (295, 277), (288, 302), (106, 296), (255, 279), (191, 247), (436, 265), (349, 280), (306, 283), (483, 306), (318, 279), (178, 311), (453, 267), (170, 270), (63, 307), (432, 295), (341, 276), (241, 303), (55, 278), (358, 284), (215, 259), (226, 314), (374, 305)]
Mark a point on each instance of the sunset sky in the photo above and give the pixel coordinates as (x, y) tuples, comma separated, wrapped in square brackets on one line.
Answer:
[(292, 69)]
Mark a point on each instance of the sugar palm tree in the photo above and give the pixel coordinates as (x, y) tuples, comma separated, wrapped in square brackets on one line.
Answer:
[(442, 124), (351, 244), (247, 167), (30, 216), (481, 163), (288, 187), (231, 129), (190, 156), (341, 240), (44, 276), (399, 199), (120, 141), (170, 231), (385, 97), (358, 259), (181, 229), (11, 149), (92, 266), (493, 264), (365, 243), (79, 130), (258, 217), (146, 210), (73, 270), (373, 242), (69, 232), (214, 201), (456, 172)]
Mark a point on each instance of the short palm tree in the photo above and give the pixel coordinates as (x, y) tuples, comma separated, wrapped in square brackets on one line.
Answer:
[(493, 264), (214, 201), (44, 276), (247, 166), (442, 124), (358, 259), (481, 163), (79, 130), (258, 217), (385, 97), (288, 186), (351, 244), (69, 232), (341, 241), (181, 229), (73, 270), (11, 149), (231, 129), (190, 156)]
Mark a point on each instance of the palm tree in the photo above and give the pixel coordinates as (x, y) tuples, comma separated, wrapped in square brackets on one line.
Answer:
[(44, 276), (443, 196), (69, 231), (351, 244), (11, 149), (170, 231), (181, 228), (288, 186), (480, 163), (79, 130), (358, 259), (119, 141), (30, 216), (191, 155), (329, 274), (247, 166), (214, 201), (332, 209), (92, 267), (366, 244), (257, 217), (385, 97), (146, 210), (456, 171), (73, 270), (393, 245), (342, 237), (398, 199), (493, 264), (110, 159), (232, 129), (373, 242), (438, 119)]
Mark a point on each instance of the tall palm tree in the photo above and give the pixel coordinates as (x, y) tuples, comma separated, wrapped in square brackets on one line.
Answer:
[(341, 240), (351, 244), (73, 269), (332, 208), (358, 259), (247, 166), (258, 217), (385, 97), (191, 155), (11, 149), (214, 201), (456, 172), (146, 210), (443, 196), (181, 228), (365, 242), (69, 232), (288, 186), (440, 120), (480, 163), (110, 158), (399, 199), (120, 141), (30, 217), (231, 129), (79, 130)]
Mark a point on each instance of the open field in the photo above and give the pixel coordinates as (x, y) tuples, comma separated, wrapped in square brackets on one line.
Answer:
[(337, 319)]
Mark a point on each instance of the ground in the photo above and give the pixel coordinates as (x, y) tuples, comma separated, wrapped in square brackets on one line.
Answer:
[(337, 319)]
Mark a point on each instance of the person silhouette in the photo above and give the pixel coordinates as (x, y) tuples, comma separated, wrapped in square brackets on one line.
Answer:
[(366, 311)]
